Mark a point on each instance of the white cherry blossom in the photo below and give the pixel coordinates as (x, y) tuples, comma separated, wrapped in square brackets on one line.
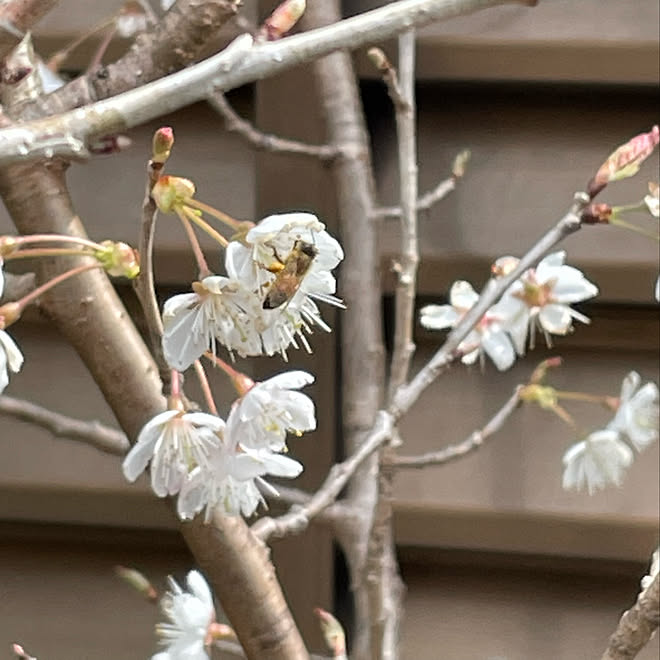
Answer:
[(230, 486), (269, 410), (220, 310), (487, 337), (597, 461), (542, 297), (175, 443), (191, 614), (637, 415)]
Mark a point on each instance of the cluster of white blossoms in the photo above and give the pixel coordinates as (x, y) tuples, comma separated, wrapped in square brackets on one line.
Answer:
[(604, 455), (216, 466), (11, 358), (266, 301), (540, 299)]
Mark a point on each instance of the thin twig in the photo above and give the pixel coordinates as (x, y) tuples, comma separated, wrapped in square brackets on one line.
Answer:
[(17, 17), (242, 62), (390, 77), (408, 394), (266, 141), (105, 438), (473, 442), (424, 203), (144, 285), (637, 625), (299, 516)]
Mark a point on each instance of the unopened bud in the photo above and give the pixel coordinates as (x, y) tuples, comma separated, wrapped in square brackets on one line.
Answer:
[(539, 374), (138, 581), (333, 633), (119, 259), (625, 161), (379, 59), (460, 163), (162, 144), (171, 191), (597, 214), (285, 16), (503, 266), (8, 244), (9, 313)]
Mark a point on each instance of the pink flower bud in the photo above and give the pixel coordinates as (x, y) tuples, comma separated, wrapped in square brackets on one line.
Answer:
[(162, 144), (625, 161), (333, 632), (285, 16), (171, 191)]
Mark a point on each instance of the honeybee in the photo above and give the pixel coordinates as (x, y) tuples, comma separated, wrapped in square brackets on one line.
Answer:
[(289, 274)]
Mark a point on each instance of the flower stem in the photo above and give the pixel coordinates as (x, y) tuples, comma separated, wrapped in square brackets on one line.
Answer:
[(241, 382), (223, 217), (206, 388), (204, 226), (55, 238), (40, 290), (202, 265), (48, 252), (639, 230), (582, 396)]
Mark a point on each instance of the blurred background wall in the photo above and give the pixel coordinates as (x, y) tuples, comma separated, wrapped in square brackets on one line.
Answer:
[(500, 562)]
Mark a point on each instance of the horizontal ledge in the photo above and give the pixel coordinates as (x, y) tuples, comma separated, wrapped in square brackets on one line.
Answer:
[(601, 62), (537, 533), (419, 525)]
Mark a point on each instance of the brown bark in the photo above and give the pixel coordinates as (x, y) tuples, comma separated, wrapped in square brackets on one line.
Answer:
[(89, 314), (361, 333)]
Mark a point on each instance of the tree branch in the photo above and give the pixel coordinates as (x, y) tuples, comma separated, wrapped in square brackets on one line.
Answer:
[(408, 394), (300, 515), (17, 286), (173, 43), (473, 442), (68, 134), (17, 17), (109, 440), (424, 203), (264, 141), (637, 625)]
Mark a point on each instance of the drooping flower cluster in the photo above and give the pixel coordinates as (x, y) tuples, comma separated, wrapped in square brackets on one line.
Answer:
[(212, 465), (266, 302), (604, 455), (540, 298)]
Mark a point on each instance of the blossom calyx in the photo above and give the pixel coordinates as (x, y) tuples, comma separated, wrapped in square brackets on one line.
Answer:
[(625, 161), (119, 259), (8, 244), (172, 191), (9, 313)]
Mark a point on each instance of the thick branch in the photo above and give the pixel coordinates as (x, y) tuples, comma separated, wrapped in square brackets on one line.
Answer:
[(69, 133), (109, 440), (88, 313), (265, 141), (173, 43), (470, 444), (637, 625)]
